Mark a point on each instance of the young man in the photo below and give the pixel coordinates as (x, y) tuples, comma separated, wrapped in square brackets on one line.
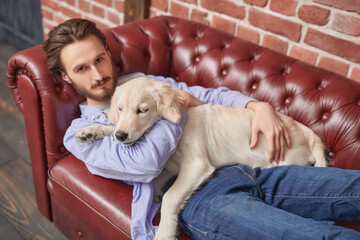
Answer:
[(291, 202)]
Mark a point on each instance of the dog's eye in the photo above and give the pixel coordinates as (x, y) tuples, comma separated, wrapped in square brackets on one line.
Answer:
[(141, 110), (120, 109)]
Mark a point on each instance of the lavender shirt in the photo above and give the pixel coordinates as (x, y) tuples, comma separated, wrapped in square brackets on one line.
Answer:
[(140, 163)]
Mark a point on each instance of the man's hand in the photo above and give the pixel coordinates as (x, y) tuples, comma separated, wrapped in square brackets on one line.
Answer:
[(188, 100), (267, 121)]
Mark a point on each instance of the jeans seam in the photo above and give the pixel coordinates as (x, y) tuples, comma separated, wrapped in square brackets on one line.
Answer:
[(253, 180)]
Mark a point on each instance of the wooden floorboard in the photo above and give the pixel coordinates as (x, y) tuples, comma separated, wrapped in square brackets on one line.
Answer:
[(19, 216)]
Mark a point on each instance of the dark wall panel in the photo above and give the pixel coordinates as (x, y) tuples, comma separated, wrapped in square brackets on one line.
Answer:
[(21, 22)]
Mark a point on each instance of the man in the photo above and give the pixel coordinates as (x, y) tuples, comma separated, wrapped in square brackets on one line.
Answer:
[(291, 202)]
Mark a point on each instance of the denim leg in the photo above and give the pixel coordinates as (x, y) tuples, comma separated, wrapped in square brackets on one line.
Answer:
[(231, 206), (319, 193)]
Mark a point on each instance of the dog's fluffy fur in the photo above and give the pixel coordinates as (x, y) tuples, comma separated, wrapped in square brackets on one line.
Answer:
[(214, 136)]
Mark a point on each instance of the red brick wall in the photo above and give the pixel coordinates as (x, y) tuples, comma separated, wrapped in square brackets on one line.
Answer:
[(321, 32)]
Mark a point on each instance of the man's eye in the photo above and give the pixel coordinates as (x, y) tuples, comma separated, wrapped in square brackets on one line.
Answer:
[(80, 69), (99, 59)]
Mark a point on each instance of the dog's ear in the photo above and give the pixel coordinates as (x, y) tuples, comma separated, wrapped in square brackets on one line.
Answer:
[(168, 102), (113, 113)]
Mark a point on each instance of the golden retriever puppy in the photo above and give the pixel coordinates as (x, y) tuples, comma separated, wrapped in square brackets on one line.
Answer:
[(214, 136)]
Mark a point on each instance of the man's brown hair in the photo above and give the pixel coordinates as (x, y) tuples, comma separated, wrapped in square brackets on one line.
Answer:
[(66, 33)]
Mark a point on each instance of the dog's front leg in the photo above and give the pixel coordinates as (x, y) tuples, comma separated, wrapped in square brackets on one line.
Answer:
[(191, 176), (93, 133)]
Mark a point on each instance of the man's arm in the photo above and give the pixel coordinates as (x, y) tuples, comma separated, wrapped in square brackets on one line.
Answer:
[(140, 162)]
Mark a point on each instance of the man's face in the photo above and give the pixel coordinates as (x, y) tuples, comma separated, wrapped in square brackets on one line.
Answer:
[(88, 67)]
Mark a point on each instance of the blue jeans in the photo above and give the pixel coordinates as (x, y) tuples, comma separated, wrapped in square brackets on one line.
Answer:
[(292, 202)]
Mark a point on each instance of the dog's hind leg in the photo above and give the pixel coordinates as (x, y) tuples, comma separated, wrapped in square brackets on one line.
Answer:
[(191, 176)]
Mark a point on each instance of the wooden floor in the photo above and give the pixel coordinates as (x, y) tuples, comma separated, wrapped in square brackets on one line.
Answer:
[(19, 217)]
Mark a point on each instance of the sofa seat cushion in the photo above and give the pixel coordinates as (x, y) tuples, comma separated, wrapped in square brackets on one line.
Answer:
[(89, 197)]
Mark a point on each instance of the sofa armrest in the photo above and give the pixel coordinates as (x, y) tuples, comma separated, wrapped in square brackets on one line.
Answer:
[(37, 94)]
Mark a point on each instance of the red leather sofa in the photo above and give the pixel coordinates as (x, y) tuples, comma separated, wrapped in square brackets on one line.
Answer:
[(84, 206)]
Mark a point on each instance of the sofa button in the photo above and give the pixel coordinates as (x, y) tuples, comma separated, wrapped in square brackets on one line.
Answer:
[(325, 116), (62, 149), (79, 234)]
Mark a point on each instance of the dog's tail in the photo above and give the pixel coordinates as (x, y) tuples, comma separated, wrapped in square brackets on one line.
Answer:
[(316, 146)]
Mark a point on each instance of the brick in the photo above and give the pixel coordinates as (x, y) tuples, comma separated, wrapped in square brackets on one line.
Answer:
[(303, 54), (226, 7), (260, 3), (53, 4), (105, 2), (275, 24), (334, 65), (287, 7), (98, 11), (47, 14), (100, 25), (119, 5), (69, 12), (355, 74), (113, 17), (347, 5), (248, 34), (200, 16), (334, 45), (275, 44), (346, 24), (179, 10), (84, 5), (223, 24), (314, 14), (59, 18), (71, 2), (160, 4)]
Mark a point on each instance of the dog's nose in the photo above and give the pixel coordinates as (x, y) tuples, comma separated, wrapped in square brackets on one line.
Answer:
[(121, 136)]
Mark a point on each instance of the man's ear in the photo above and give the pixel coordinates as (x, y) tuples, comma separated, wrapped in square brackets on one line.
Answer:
[(168, 104), (108, 52), (65, 77)]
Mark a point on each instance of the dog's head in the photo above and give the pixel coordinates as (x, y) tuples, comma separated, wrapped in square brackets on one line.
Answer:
[(139, 103)]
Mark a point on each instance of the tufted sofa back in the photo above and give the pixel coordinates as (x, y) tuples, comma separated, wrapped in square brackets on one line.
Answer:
[(198, 55)]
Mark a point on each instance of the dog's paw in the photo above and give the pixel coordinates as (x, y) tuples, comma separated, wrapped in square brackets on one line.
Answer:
[(90, 134)]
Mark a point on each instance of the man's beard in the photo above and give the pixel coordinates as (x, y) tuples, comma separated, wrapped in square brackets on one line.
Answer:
[(106, 93)]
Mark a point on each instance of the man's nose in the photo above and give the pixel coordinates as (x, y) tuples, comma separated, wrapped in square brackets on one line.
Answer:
[(97, 74)]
